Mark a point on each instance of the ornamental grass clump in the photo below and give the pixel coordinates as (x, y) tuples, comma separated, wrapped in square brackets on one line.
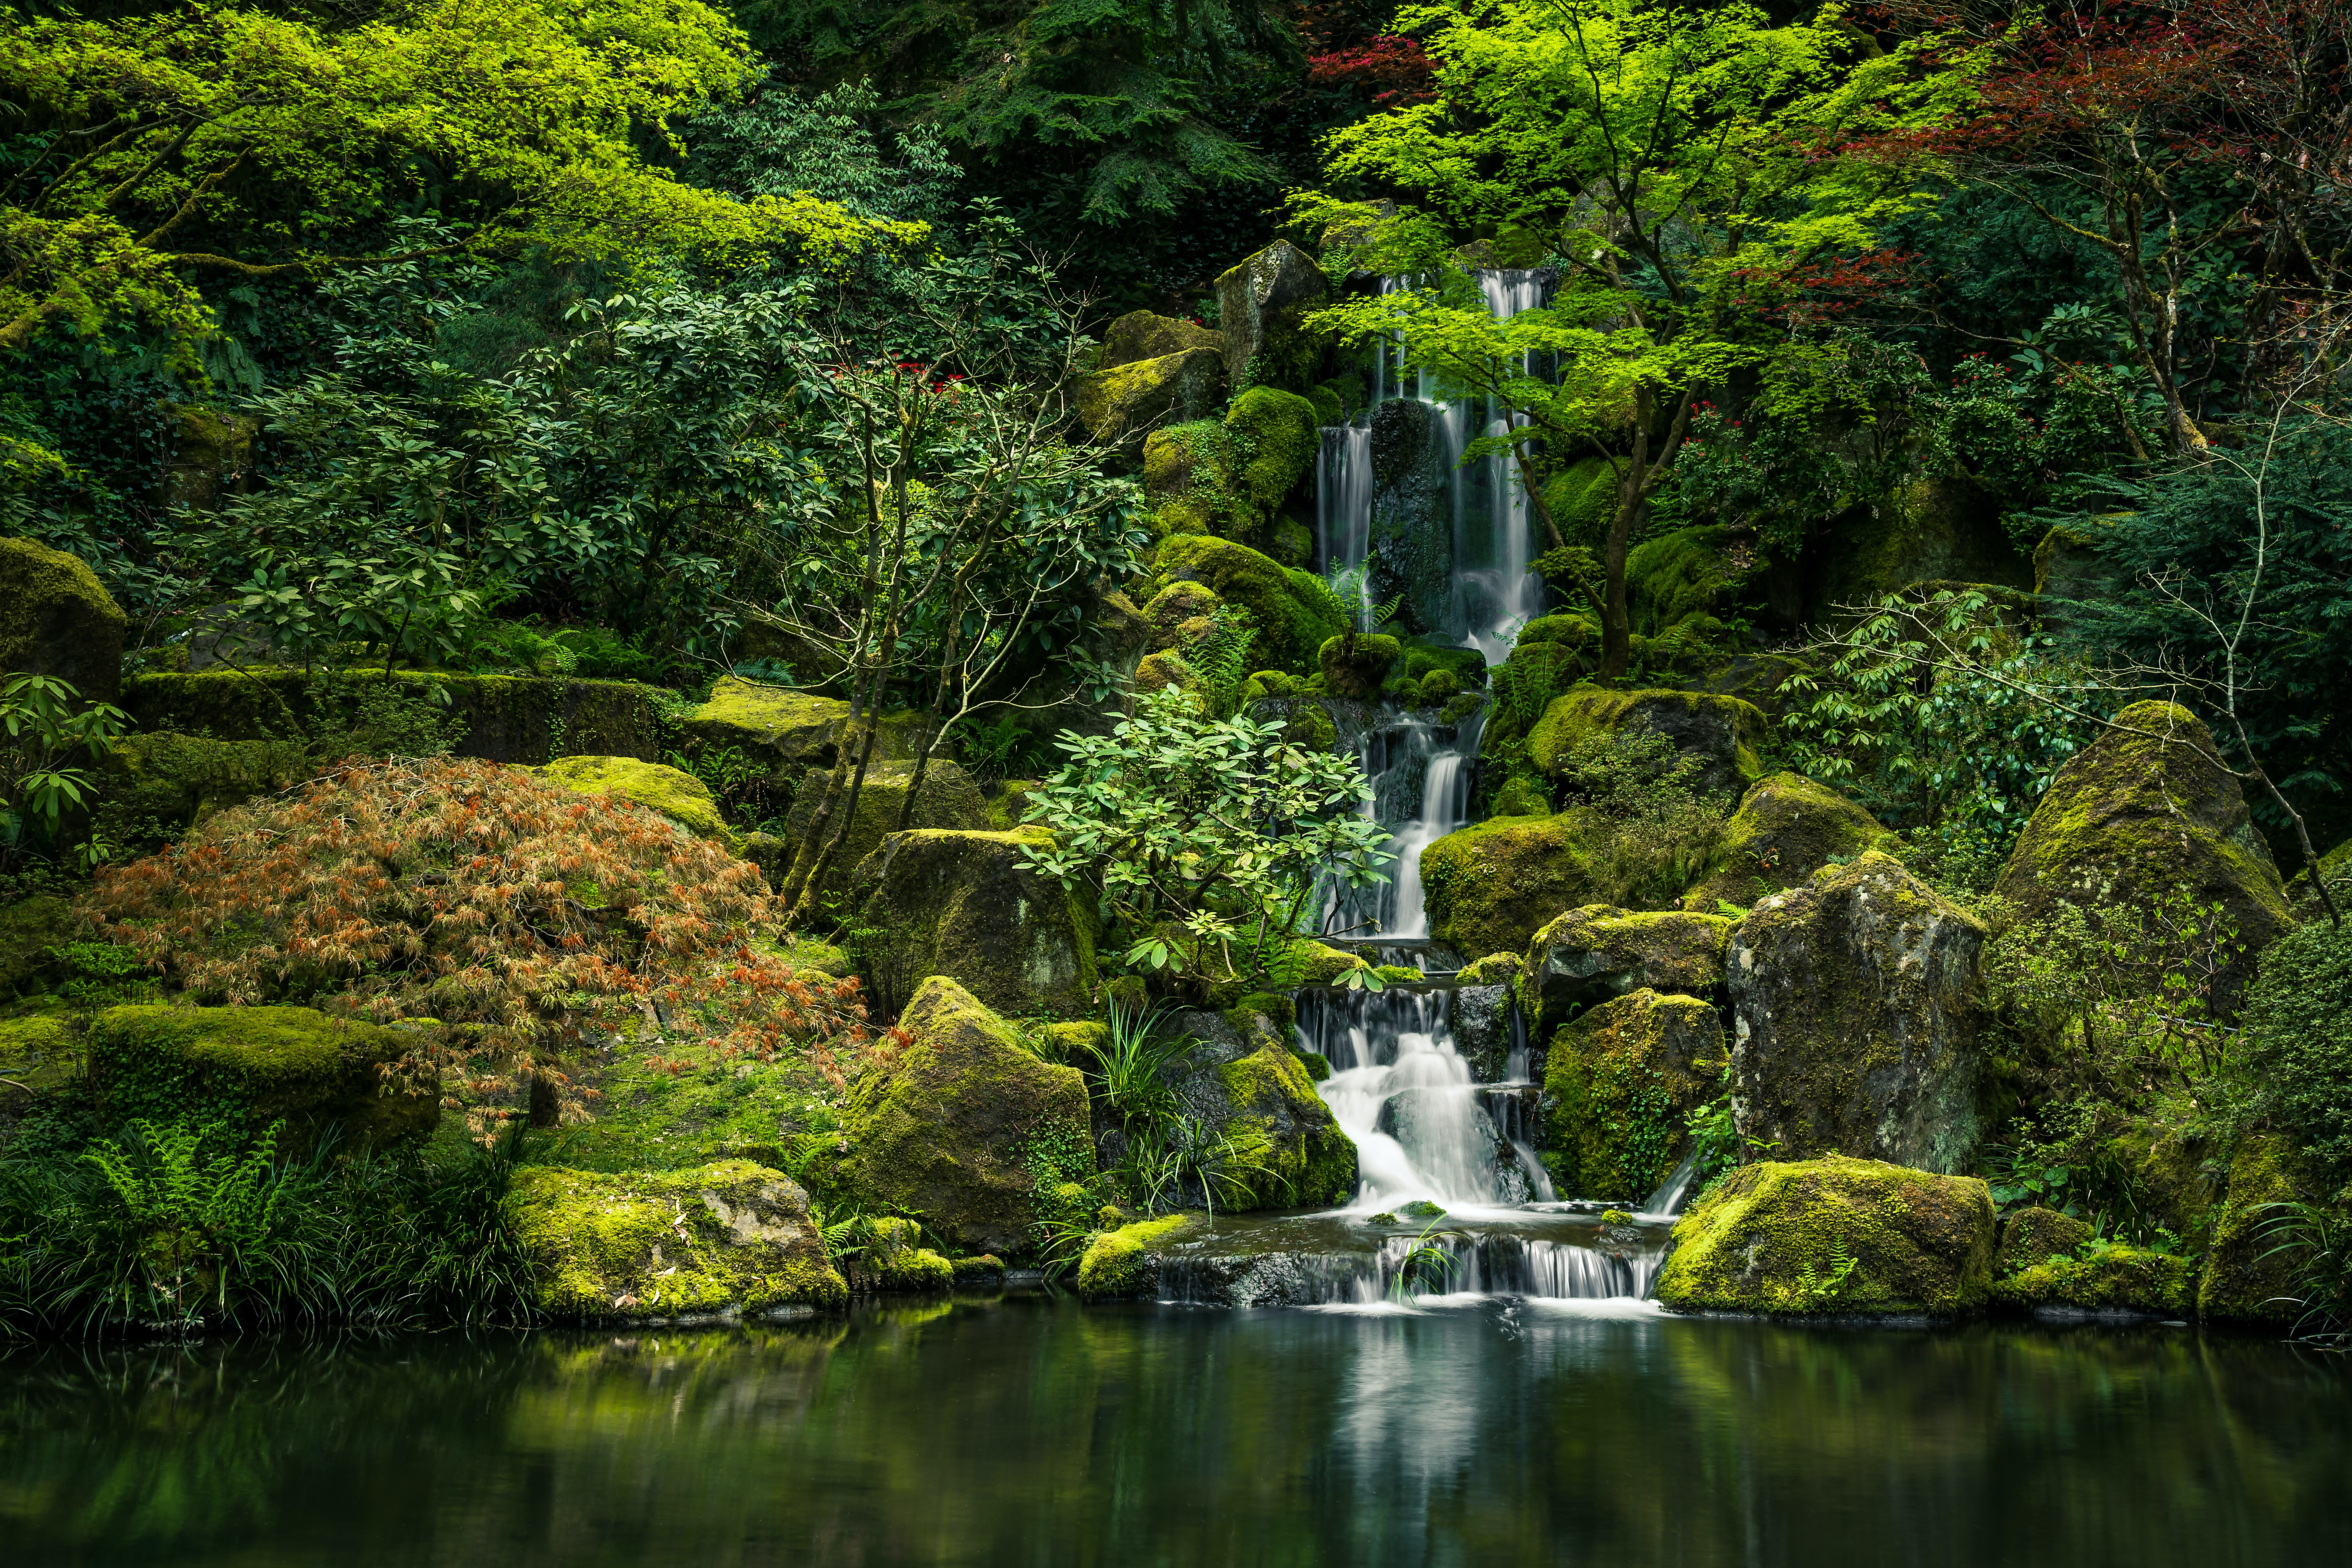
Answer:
[(526, 920)]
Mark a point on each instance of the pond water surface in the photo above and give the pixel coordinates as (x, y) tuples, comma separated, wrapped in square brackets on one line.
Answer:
[(1028, 1429)]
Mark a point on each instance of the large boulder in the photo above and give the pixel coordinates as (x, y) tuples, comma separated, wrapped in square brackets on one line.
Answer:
[(948, 800), (1724, 733), (1179, 613), (1836, 1238), (1787, 828), (1140, 335), (1619, 1087), (1490, 887), (961, 1126), (1261, 306), (1597, 951), (2113, 1280), (57, 619), (728, 1237), (1119, 403), (1855, 1018), (775, 725), (1294, 612), (2250, 1273), (676, 794), (970, 905), (2143, 818), (316, 1074), (1247, 1084)]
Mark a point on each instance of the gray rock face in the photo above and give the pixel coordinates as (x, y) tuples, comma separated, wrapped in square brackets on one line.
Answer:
[(1854, 1020), (1591, 954), (969, 904), (1483, 1023), (1259, 303)]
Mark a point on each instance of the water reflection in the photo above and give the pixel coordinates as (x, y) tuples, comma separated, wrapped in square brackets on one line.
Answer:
[(1031, 1431)]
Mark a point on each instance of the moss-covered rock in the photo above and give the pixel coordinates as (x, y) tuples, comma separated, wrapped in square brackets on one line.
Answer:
[(1294, 614), (1583, 501), (1355, 667), (1855, 1018), (1242, 1082), (1833, 1236), (1158, 671), (39, 1054), (732, 1236), (28, 929), (1935, 528), (961, 1126), (1675, 581), (2144, 816), (784, 728), (1492, 886), (897, 1260), (156, 784), (2114, 1280), (1724, 733), (1262, 305), (2032, 1236), (2247, 1279), (57, 619), (293, 1065), (2334, 868), (1175, 608), (949, 800), (1140, 335), (1122, 1263), (1596, 951), (1620, 1084), (1494, 969), (1276, 436), (676, 794), (1787, 828), (969, 905), (1120, 403)]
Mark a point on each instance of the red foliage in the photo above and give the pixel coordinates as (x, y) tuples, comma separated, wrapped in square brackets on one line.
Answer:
[(1393, 70), (1813, 293)]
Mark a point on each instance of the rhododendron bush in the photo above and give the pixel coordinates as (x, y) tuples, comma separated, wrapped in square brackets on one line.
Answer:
[(528, 920)]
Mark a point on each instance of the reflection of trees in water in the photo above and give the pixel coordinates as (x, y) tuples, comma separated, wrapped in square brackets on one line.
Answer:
[(1048, 1432)]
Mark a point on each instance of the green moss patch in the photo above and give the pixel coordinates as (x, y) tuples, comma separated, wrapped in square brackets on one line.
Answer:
[(2118, 1279), (1489, 888), (680, 796), (1787, 828), (1116, 1263), (1620, 1084)]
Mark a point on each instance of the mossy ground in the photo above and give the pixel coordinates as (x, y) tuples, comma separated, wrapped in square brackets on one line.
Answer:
[(667, 1107)]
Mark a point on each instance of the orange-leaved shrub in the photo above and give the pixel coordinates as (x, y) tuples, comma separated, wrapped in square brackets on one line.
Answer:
[(526, 918)]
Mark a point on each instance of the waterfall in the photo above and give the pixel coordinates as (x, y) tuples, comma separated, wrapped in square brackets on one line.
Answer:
[(1343, 498)]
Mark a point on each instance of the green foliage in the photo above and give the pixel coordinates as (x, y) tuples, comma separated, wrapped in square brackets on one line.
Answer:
[(2298, 1019), (1428, 1266), (1132, 1063), (1220, 659), (1646, 833), (44, 727), (2318, 1247)]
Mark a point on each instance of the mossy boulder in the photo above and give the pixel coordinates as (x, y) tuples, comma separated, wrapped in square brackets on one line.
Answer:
[(294, 1064), (1836, 1238), (969, 904), (57, 619), (2334, 869), (156, 783), (1787, 828), (1160, 671), (1854, 1001), (1355, 667), (1176, 608), (897, 1260), (1242, 1082), (948, 800), (38, 1053), (2111, 1281), (1276, 436), (1490, 887), (1140, 335), (676, 794), (731, 1237), (1620, 1084), (2247, 1279), (1583, 501), (1724, 733), (778, 725), (28, 929), (2145, 815), (1262, 306), (1294, 614), (1119, 403), (1597, 951), (1123, 1263), (961, 1126), (2032, 1236)]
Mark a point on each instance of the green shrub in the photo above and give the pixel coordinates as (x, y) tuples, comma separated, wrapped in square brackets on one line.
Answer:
[(2299, 1029)]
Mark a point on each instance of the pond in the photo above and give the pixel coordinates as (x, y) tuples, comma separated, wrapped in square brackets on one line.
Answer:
[(1029, 1429)]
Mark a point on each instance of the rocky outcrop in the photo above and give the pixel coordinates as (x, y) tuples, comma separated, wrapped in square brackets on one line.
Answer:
[(316, 1074), (957, 1124), (1260, 305), (1787, 828), (777, 725), (2249, 1278), (2146, 816), (1724, 733), (56, 620), (679, 796), (1933, 529), (948, 800), (1285, 1148), (2116, 1281), (1140, 335), (2032, 1236), (1490, 887), (1355, 667), (1597, 951), (1124, 1262), (1179, 613), (1855, 1018), (968, 904), (1119, 403), (1833, 1237), (1620, 1084), (1293, 613), (729, 1237)]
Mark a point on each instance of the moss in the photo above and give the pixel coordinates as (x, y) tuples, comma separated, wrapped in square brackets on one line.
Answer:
[(1113, 1263), (978, 1273), (1292, 1151), (1787, 828), (1567, 630), (57, 619), (1725, 732), (1262, 305), (1357, 671), (1120, 403), (1492, 886), (1773, 1239), (1173, 607), (1330, 407), (28, 927), (2120, 1279), (1494, 969), (804, 952), (1318, 963), (1278, 1009), (1583, 501), (1596, 951), (1158, 671), (1675, 580), (2146, 813), (968, 904), (271, 1064), (1276, 436), (1140, 335), (1073, 1044), (896, 1260), (1933, 528), (731, 1236), (1521, 796), (2032, 1236), (38, 1053), (1399, 974), (782, 726), (941, 1126), (2245, 1280), (1294, 612), (948, 800), (679, 796), (1620, 1084)]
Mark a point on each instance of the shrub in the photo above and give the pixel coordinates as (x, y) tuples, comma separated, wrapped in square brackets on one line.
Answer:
[(2299, 1033), (523, 917)]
